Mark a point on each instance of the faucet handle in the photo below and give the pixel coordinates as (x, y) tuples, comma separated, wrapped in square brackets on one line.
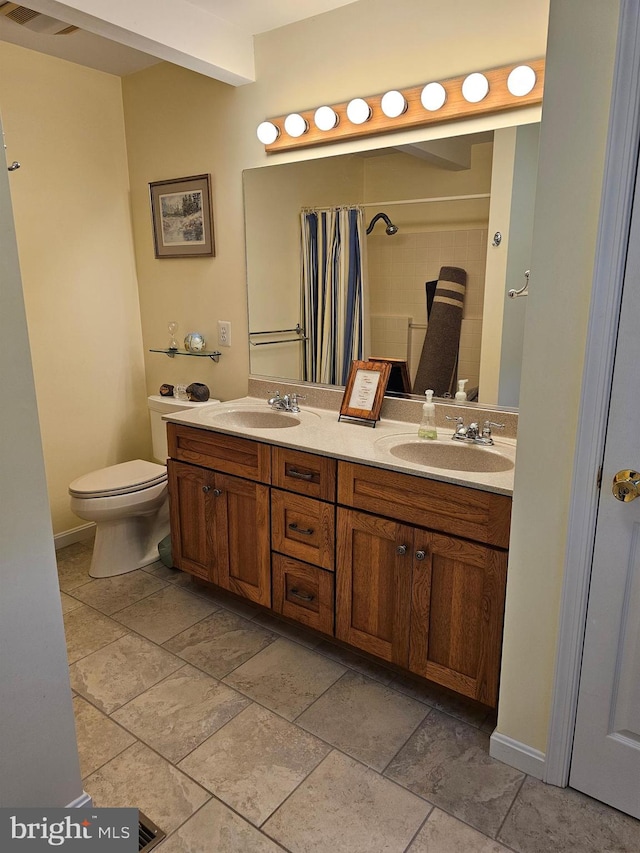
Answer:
[(486, 429)]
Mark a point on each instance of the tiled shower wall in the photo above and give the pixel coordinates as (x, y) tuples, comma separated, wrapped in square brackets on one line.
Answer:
[(398, 267)]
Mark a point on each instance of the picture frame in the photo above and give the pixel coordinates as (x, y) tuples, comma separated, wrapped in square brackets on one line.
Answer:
[(364, 391), (182, 217)]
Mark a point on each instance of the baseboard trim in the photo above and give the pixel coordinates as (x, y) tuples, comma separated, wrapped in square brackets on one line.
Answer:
[(76, 534), (82, 802), (517, 754)]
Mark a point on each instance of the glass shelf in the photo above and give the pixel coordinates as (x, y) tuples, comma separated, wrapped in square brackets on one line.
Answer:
[(214, 355)]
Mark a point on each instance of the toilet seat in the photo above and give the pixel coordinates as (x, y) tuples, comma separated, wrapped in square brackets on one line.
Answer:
[(122, 479)]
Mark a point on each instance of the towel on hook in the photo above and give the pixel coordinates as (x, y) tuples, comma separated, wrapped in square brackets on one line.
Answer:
[(439, 359)]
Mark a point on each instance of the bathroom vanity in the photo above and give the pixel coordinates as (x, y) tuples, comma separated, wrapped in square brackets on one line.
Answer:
[(401, 561)]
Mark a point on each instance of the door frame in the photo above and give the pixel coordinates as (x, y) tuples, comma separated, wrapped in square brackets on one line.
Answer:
[(621, 163)]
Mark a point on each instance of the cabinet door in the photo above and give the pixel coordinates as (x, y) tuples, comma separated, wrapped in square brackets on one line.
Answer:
[(304, 593), (191, 510), (373, 582), (457, 610), (241, 510)]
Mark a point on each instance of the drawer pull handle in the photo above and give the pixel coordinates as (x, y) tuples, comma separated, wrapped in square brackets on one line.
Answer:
[(420, 555), (299, 475), (305, 531), (301, 595), (217, 492), (401, 550)]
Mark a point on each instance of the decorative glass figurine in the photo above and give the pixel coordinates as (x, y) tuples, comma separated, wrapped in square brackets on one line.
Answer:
[(173, 328)]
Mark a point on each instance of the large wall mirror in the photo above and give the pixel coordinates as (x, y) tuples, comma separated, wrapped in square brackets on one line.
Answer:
[(445, 200)]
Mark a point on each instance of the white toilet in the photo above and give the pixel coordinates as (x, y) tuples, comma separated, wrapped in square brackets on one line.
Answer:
[(129, 502)]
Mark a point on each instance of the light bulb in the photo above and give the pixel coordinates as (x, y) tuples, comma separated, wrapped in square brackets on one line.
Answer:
[(325, 118), (267, 132), (433, 96), (475, 88), (521, 80), (295, 125), (393, 104), (358, 111)]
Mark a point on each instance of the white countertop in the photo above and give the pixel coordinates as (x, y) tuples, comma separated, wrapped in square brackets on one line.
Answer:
[(319, 431)]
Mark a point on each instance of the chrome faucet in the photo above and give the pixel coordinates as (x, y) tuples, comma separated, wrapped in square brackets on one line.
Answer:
[(288, 403), (472, 432)]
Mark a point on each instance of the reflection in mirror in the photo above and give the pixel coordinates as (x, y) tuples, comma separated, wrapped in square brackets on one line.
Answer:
[(444, 198)]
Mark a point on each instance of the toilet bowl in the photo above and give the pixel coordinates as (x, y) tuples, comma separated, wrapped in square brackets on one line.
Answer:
[(129, 502)]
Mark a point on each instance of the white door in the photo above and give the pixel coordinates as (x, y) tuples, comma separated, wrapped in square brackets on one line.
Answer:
[(606, 755)]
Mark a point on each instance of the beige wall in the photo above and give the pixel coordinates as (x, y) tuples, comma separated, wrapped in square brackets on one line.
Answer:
[(576, 106), (64, 123)]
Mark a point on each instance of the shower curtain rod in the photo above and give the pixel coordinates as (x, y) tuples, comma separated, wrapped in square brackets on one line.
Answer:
[(404, 201)]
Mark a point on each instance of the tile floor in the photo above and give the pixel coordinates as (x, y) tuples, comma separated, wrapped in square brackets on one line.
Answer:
[(238, 733)]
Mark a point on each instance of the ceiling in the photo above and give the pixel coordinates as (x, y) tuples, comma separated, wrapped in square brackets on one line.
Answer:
[(213, 37)]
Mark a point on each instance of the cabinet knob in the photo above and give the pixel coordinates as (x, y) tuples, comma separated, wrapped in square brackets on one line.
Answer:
[(206, 489), (401, 549), (420, 555), (217, 492)]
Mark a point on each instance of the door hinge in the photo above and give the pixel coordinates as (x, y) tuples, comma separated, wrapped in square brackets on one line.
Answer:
[(599, 478)]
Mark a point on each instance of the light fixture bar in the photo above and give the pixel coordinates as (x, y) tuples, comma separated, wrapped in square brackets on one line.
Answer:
[(498, 99)]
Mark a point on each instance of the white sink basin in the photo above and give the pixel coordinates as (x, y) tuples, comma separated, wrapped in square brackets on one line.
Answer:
[(253, 418), (447, 455)]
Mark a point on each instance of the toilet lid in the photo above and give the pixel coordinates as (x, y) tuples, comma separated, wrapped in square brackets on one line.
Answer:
[(119, 479)]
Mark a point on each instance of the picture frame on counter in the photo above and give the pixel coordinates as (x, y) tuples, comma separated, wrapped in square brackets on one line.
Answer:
[(364, 391), (182, 217)]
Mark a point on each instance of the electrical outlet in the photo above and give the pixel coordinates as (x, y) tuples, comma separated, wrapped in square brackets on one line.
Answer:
[(224, 333)]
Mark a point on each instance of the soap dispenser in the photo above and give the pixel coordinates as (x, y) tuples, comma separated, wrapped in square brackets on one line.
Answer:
[(427, 428), (461, 394)]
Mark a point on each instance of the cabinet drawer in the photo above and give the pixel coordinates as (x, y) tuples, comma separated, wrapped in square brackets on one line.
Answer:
[(303, 528), (303, 593), (227, 453), (305, 473), (470, 513)]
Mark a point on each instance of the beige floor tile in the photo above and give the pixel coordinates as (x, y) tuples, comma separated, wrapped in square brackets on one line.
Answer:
[(165, 613), (69, 603), (344, 807), (349, 658), (221, 642), (442, 699), (217, 828), (86, 631), (445, 834), (73, 565), (180, 712), (285, 677), (545, 818), (364, 718), (297, 633), (447, 762), (254, 762), (99, 738), (108, 595), (139, 778), (113, 676)]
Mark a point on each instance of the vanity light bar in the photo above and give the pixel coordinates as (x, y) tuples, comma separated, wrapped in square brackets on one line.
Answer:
[(506, 88)]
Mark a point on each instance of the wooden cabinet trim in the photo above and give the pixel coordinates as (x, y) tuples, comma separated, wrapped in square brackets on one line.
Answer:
[(241, 457), (444, 507)]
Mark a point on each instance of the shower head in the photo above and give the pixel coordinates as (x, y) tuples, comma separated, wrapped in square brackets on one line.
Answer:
[(390, 229)]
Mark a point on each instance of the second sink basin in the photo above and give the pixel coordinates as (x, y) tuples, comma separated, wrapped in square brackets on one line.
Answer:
[(449, 455), (252, 418)]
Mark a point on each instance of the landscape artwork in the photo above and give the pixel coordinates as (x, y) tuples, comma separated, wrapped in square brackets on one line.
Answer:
[(181, 215), (182, 219)]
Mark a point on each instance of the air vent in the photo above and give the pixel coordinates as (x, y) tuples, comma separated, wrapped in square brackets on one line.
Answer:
[(149, 836), (35, 21)]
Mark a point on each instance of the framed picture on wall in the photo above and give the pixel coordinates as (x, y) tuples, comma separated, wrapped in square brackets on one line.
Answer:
[(364, 391), (182, 218)]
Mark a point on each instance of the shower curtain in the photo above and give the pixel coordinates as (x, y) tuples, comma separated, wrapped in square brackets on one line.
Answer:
[(332, 292)]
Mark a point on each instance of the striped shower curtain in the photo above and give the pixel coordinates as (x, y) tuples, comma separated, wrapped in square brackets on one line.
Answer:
[(332, 296)]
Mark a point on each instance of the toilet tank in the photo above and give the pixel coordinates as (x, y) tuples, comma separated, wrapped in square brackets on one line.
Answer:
[(159, 406)]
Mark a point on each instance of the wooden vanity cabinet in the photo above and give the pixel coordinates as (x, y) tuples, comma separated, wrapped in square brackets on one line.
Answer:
[(220, 524), (429, 602)]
